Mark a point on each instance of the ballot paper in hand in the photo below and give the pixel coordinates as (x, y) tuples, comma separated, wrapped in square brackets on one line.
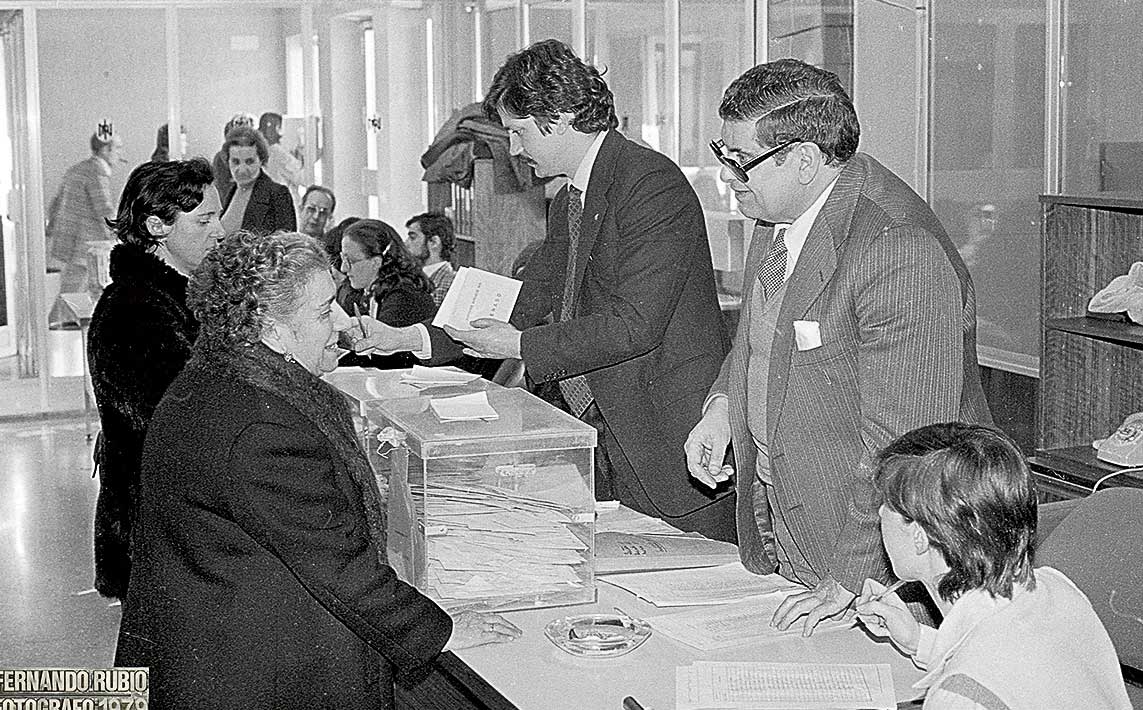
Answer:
[(464, 408), (744, 623), (476, 293)]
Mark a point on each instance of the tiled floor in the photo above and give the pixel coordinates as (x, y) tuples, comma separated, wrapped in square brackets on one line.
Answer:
[(47, 500)]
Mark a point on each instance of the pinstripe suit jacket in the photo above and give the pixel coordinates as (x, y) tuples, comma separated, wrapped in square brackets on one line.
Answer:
[(897, 314)]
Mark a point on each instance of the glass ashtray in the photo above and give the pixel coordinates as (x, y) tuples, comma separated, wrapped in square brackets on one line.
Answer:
[(598, 635)]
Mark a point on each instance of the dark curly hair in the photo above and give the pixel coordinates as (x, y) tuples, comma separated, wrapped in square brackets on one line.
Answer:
[(969, 488), (244, 137), (162, 189), (377, 238), (248, 277), (548, 79), (436, 224), (789, 100)]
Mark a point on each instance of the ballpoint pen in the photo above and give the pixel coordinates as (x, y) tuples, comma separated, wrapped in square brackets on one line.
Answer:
[(357, 314), (888, 590)]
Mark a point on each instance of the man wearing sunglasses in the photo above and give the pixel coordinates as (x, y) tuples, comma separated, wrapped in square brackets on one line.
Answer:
[(858, 325)]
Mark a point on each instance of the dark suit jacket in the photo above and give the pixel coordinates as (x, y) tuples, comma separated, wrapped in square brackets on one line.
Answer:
[(270, 209), (256, 583), (647, 331), (897, 316)]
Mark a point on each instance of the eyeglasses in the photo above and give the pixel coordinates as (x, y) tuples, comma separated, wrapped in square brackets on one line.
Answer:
[(739, 171)]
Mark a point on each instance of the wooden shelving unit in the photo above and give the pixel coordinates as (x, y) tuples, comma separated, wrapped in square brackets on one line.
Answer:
[(1091, 370)]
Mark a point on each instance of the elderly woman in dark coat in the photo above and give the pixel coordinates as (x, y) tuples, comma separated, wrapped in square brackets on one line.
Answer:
[(261, 579), (141, 335)]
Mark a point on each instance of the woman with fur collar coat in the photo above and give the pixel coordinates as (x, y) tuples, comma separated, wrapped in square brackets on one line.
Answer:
[(141, 336)]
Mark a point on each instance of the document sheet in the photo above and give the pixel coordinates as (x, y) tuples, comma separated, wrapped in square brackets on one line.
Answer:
[(464, 408), (743, 623), (732, 685), (708, 585), (474, 294)]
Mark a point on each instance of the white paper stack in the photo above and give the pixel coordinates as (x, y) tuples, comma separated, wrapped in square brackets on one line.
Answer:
[(421, 376), (464, 408), (784, 686), (709, 585), (487, 542), (744, 623)]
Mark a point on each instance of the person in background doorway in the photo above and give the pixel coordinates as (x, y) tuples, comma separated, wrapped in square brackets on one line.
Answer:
[(80, 209), (141, 336), (314, 215), (429, 240), (254, 203), (958, 514), (162, 151), (220, 165), (282, 166)]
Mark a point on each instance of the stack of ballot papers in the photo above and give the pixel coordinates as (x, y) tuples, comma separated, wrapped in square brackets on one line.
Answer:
[(709, 585), (464, 408), (744, 623), (484, 541), (731, 685), (421, 376), (631, 552)]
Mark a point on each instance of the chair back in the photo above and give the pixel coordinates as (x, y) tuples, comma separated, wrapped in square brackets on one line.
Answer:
[(1099, 546)]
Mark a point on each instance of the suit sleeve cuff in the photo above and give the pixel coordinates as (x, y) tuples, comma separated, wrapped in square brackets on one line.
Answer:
[(711, 398)]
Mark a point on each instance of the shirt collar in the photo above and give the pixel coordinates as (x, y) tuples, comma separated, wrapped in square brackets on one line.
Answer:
[(583, 172), (799, 229), (967, 612), (433, 268)]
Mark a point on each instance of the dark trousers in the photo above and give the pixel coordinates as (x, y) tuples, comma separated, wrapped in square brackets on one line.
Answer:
[(615, 479)]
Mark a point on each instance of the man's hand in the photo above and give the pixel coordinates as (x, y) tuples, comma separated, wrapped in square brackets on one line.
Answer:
[(474, 628), (827, 599), (489, 338), (888, 617), (706, 444), (368, 336)]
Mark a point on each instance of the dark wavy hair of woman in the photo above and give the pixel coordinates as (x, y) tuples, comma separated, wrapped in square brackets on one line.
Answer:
[(162, 190), (377, 238), (547, 79)]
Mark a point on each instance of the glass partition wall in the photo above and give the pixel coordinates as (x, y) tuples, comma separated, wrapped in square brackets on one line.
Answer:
[(983, 108)]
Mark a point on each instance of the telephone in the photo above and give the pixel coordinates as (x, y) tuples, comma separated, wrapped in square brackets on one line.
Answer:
[(1124, 447)]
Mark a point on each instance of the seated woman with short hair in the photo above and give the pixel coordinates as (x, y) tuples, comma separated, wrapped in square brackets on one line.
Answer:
[(260, 574), (959, 515)]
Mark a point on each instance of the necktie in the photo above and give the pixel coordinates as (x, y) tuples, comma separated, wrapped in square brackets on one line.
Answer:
[(574, 389), (772, 271)]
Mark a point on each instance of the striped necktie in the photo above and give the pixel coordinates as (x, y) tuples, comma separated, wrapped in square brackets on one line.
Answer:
[(574, 389)]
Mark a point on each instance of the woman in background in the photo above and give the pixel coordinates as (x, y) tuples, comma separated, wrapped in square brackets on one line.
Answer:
[(141, 336), (254, 202), (959, 515), (262, 579), (384, 282)]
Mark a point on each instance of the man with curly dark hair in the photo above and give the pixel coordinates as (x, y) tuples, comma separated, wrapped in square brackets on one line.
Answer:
[(618, 315)]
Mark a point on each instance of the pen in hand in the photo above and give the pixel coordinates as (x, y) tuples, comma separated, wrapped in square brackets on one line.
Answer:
[(887, 591), (357, 314)]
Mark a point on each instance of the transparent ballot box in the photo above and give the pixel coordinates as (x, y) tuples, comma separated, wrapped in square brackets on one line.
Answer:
[(497, 513)]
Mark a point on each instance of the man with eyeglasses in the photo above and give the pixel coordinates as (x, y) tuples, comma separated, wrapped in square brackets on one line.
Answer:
[(313, 216), (858, 325), (618, 317)]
